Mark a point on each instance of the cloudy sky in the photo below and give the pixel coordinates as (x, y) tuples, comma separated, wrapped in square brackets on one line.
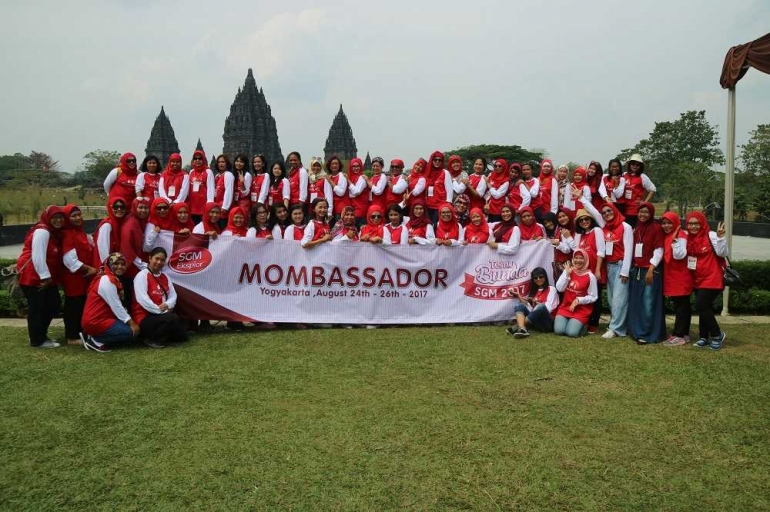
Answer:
[(581, 79)]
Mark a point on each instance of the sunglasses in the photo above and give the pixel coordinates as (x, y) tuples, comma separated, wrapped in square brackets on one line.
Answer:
[(119, 207), (438, 160), (585, 219), (376, 216), (197, 159), (607, 212), (538, 277), (131, 161)]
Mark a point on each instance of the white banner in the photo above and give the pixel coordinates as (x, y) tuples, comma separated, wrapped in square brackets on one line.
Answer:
[(242, 279)]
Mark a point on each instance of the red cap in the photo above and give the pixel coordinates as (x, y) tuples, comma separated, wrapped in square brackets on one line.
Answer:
[(397, 161)]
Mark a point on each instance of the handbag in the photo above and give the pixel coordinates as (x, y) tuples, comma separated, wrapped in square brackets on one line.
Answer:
[(10, 276), (731, 276)]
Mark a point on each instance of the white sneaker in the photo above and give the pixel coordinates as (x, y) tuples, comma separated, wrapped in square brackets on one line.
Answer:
[(372, 326), (609, 334), (49, 344)]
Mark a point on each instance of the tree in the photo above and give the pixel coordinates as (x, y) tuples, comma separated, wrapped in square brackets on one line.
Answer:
[(755, 154), (98, 164), (679, 156), (490, 152), (43, 162)]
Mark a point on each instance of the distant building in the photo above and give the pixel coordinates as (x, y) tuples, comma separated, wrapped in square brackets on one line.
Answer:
[(250, 127), (340, 141), (162, 142), (368, 162)]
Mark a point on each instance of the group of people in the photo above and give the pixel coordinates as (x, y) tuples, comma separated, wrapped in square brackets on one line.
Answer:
[(601, 226)]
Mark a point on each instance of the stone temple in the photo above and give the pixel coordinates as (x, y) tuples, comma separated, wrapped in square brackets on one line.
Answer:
[(162, 142), (250, 127), (340, 141)]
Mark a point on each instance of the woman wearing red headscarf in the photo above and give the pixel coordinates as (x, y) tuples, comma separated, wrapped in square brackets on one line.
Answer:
[(476, 184), (374, 230), (459, 177), (579, 287), (358, 195), (533, 188), (590, 238), (106, 320), (497, 185), (174, 182), (40, 268), (417, 183), (77, 255), (618, 252), (645, 293), (528, 229), (209, 224), (579, 191), (345, 229), (237, 224), (183, 224), (202, 186), (121, 181), (706, 251), (160, 219), (477, 231), (595, 182), (549, 187), (449, 232), (419, 226), (107, 234), (677, 278), (132, 236), (439, 182)]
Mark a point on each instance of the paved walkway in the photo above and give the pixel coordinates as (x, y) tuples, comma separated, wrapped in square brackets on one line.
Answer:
[(727, 320)]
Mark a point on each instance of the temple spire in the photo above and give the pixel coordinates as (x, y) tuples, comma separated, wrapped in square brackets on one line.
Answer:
[(340, 141), (162, 142)]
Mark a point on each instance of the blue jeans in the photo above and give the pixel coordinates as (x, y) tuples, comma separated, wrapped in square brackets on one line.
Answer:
[(117, 333), (568, 326), (539, 318), (617, 294)]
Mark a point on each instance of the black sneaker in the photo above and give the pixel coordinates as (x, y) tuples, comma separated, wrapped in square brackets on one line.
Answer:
[(153, 344), (92, 344), (511, 330), (521, 333)]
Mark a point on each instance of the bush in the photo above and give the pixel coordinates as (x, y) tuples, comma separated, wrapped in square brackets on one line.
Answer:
[(10, 307), (754, 274)]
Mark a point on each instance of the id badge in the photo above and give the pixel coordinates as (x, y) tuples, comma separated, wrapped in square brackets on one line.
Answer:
[(629, 194), (313, 195), (608, 248), (253, 198), (638, 250), (172, 190), (196, 186), (270, 200), (692, 262), (430, 191)]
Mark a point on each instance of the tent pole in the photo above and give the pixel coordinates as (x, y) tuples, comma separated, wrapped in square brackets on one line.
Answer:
[(729, 181)]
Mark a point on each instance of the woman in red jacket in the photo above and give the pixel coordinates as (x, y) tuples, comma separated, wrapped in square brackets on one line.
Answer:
[(476, 188), (155, 299), (677, 278), (537, 309), (40, 268), (77, 256), (590, 237), (449, 232), (477, 231), (209, 225), (638, 188), (107, 234), (345, 229), (419, 226), (174, 182), (121, 181), (579, 286), (374, 230), (106, 321), (339, 185), (317, 230), (237, 223), (497, 186), (148, 181), (132, 236), (298, 180), (399, 234), (202, 185), (706, 251), (647, 324), (418, 182), (358, 193), (439, 182)]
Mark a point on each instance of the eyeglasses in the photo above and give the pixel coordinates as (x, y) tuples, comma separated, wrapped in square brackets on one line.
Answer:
[(696, 223), (131, 161), (118, 207), (197, 159)]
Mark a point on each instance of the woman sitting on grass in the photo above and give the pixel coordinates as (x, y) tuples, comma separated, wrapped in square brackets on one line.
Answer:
[(579, 286), (537, 309)]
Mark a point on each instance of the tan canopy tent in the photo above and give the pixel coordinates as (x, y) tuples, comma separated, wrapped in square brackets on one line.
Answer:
[(754, 54)]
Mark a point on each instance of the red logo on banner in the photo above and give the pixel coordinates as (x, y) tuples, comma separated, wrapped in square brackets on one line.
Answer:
[(493, 280), (189, 260)]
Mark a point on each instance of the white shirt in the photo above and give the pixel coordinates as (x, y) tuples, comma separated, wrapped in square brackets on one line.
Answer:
[(143, 297), (184, 189), (591, 295), (39, 248), (109, 293)]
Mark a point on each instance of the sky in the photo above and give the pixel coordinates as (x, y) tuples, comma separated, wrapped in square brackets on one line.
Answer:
[(581, 80)]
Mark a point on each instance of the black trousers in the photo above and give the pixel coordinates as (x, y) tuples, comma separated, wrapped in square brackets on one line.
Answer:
[(42, 308), (128, 291), (596, 314), (166, 327), (708, 327), (682, 315), (73, 313)]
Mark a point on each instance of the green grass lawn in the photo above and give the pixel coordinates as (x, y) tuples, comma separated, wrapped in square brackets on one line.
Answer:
[(399, 418)]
